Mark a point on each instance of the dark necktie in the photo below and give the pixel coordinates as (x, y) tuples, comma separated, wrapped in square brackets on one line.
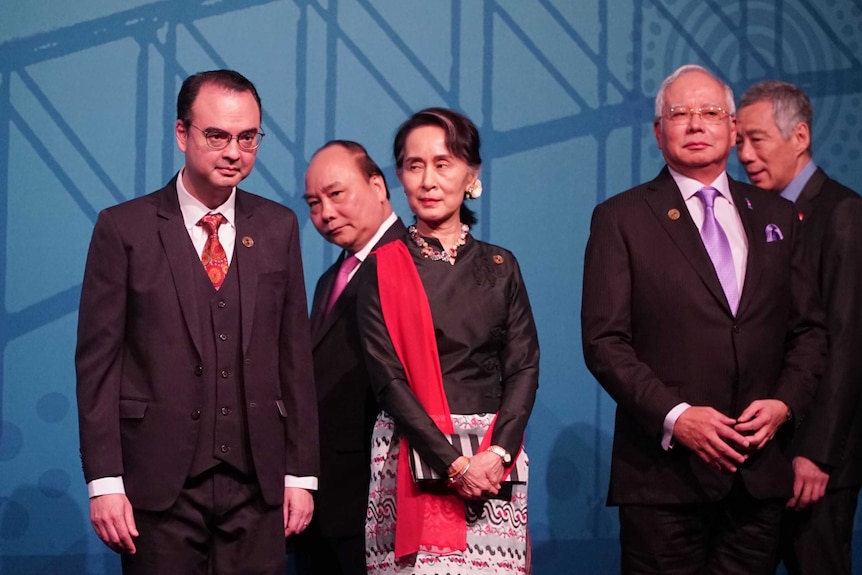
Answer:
[(214, 257), (347, 266), (718, 247)]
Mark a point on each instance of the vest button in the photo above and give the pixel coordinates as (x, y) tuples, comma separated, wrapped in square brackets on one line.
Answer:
[(196, 414), (199, 370), (225, 374), (225, 448), (222, 303), (225, 411), (223, 336)]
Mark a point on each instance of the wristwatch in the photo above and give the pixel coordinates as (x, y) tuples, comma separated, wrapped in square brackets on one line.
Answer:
[(504, 455)]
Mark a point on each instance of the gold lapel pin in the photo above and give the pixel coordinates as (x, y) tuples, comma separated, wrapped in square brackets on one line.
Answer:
[(247, 241), (673, 214)]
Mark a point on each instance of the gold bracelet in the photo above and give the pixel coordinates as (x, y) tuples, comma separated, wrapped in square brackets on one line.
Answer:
[(457, 477), (458, 472)]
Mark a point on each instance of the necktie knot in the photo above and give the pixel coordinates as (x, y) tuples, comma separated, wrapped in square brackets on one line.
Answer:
[(348, 265), (707, 195), (211, 223)]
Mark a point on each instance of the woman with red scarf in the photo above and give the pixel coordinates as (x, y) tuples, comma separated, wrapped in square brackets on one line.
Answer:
[(452, 348)]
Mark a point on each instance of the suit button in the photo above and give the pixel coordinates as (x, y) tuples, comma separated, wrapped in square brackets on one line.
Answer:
[(223, 336), (196, 414), (737, 329), (199, 370), (225, 448), (225, 411), (222, 303), (225, 374)]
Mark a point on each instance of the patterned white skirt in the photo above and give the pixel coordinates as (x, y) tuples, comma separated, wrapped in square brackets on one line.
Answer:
[(496, 529)]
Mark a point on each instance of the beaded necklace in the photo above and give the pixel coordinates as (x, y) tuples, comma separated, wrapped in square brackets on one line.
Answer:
[(430, 253)]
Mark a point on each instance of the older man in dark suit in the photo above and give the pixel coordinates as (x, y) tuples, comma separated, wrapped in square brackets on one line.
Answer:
[(774, 145), (699, 318), (349, 205), (196, 403)]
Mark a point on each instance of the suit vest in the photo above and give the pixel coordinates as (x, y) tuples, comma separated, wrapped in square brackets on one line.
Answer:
[(223, 431)]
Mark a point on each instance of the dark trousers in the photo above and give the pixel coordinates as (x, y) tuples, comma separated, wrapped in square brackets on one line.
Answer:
[(316, 554), (818, 539), (736, 535), (219, 525)]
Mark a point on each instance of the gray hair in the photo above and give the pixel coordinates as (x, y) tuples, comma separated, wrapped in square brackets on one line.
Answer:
[(790, 105), (687, 69)]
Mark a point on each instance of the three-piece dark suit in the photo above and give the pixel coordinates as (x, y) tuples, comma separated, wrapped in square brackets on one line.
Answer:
[(347, 409), (831, 435), (658, 331), (174, 377)]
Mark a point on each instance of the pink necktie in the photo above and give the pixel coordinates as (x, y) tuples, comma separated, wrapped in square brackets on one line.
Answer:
[(718, 247), (347, 266)]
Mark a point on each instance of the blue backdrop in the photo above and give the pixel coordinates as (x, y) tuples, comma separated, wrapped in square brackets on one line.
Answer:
[(562, 91)]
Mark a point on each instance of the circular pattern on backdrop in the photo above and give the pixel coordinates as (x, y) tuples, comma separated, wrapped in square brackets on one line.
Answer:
[(52, 407), (796, 45), (11, 440), (54, 483)]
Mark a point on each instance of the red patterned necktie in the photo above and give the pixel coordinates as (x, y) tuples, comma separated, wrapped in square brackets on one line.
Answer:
[(214, 257)]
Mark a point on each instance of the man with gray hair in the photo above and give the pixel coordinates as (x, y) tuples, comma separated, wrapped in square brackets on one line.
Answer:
[(774, 145), (700, 320)]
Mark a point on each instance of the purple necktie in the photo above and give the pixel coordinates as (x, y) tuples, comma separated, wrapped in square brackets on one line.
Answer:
[(347, 266), (718, 247)]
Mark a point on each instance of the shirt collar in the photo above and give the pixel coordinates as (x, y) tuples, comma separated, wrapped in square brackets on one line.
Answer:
[(366, 249), (193, 210), (689, 186), (794, 188)]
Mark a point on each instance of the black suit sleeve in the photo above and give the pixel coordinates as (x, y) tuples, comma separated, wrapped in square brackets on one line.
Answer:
[(98, 357), (606, 326), (823, 433), (296, 369)]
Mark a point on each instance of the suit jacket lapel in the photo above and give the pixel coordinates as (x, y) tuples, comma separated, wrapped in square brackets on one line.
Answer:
[(807, 199), (246, 261), (756, 242), (669, 208), (321, 298), (175, 242), (321, 323)]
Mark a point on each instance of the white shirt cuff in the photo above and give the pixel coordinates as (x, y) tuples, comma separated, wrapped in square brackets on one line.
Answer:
[(106, 486), (303, 482), (669, 421)]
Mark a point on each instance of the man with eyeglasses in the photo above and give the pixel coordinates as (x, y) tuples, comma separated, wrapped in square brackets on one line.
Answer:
[(700, 320), (774, 146), (196, 403)]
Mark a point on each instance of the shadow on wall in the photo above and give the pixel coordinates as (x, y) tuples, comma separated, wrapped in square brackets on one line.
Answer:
[(37, 524), (582, 533)]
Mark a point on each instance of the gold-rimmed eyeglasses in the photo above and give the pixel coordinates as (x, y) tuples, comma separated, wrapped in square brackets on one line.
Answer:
[(684, 114), (219, 139)]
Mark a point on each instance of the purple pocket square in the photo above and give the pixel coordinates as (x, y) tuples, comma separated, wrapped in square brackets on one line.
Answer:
[(773, 233)]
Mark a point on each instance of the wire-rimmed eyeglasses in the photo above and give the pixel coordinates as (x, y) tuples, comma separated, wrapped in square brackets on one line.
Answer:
[(684, 114), (219, 139)]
